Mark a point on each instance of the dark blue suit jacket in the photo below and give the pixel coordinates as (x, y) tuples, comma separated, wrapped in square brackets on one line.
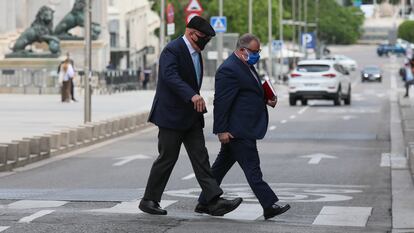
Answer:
[(177, 84), (239, 102)]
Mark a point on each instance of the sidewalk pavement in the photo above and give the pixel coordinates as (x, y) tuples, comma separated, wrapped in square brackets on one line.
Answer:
[(34, 115), (402, 163)]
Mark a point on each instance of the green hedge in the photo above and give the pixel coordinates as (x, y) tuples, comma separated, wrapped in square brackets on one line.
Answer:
[(406, 31)]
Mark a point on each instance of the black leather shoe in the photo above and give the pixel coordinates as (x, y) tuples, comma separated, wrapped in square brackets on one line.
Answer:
[(151, 207), (275, 210), (222, 206), (201, 209)]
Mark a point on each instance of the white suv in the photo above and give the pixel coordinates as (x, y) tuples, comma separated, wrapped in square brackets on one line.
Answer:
[(345, 61), (319, 79)]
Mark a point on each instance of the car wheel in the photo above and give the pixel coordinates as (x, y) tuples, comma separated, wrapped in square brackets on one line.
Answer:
[(338, 97), (292, 101), (304, 102), (347, 100)]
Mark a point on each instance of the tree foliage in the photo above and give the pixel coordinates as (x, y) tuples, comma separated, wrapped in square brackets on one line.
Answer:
[(339, 25), (336, 24), (406, 31)]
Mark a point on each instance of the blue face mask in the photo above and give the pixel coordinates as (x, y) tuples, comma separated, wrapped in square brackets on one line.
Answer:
[(252, 58)]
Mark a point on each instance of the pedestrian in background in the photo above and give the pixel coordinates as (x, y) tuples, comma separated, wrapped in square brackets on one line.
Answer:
[(409, 77), (66, 73), (72, 83), (240, 118), (178, 111), (146, 78)]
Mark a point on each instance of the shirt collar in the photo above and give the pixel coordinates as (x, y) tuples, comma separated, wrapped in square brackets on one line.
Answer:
[(189, 46)]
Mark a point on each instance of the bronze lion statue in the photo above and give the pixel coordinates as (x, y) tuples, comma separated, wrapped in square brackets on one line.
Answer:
[(75, 18), (41, 30)]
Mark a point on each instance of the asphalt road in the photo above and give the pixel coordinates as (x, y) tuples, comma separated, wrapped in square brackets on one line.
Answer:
[(324, 160)]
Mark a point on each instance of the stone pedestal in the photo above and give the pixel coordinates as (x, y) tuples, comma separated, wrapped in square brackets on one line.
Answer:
[(77, 53), (29, 75)]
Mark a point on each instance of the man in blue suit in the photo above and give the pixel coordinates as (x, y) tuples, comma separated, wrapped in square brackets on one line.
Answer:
[(240, 118), (178, 111)]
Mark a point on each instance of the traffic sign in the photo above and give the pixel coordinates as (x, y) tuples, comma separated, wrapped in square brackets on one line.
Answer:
[(170, 29), (194, 6), (170, 13), (308, 40), (277, 45), (191, 15), (219, 23)]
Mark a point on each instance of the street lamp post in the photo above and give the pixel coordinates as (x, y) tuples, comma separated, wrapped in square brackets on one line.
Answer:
[(162, 26), (220, 38), (270, 65), (88, 61), (281, 38), (250, 16), (306, 25)]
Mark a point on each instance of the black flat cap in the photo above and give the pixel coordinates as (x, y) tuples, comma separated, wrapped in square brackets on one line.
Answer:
[(201, 25)]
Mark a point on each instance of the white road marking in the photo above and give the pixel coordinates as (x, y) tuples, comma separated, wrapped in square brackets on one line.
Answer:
[(38, 214), (356, 110), (385, 160), (300, 112), (188, 177), (3, 228), (287, 192), (32, 204), (129, 207), (348, 117), (316, 158), (343, 216), (283, 121), (130, 158), (292, 117), (245, 212), (272, 127)]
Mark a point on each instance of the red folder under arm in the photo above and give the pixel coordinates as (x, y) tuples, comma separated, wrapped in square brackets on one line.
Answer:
[(270, 92)]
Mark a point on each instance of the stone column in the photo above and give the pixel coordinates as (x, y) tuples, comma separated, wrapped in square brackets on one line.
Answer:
[(7, 16), (100, 15)]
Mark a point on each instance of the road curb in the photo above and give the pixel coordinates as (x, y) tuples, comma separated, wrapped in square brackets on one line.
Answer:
[(401, 177), (29, 150)]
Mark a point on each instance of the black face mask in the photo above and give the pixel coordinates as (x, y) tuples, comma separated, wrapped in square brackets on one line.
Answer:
[(202, 42)]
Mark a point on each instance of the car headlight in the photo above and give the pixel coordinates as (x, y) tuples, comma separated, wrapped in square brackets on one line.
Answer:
[(377, 76), (365, 75)]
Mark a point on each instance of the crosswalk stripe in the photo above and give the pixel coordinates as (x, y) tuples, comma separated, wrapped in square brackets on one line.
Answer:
[(385, 160), (343, 216), (188, 177), (32, 204), (38, 214), (245, 212), (3, 228), (130, 207)]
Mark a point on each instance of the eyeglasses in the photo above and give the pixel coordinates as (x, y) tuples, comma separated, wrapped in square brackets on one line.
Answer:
[(253, 51)]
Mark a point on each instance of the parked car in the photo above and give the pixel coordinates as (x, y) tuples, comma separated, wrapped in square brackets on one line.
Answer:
[(386, 49), (319, 79), (345, 61), (371, 73)]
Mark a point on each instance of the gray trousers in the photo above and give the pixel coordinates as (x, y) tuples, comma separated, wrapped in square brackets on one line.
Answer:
[(169, 144)]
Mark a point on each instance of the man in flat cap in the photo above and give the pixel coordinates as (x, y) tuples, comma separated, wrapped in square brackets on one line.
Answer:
[(178, 111)]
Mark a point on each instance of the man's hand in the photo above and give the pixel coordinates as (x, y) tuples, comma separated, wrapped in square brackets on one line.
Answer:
[(225, 137), (199, 104), (272, 103)]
